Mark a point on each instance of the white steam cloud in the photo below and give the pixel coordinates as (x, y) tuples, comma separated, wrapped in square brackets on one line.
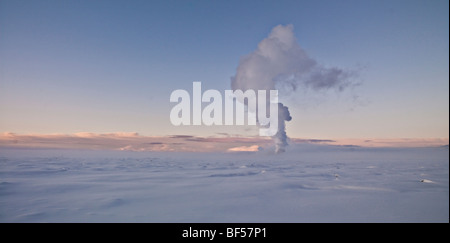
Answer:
[(279, 60)]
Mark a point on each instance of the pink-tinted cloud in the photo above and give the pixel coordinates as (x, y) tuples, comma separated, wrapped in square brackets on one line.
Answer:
[(127, 142), (252, 148), (185, 143), (380, 142)]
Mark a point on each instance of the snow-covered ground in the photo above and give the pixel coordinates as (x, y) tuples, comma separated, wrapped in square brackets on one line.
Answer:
[(308, 183)]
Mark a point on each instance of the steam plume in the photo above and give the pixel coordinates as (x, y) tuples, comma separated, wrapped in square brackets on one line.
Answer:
[(279, 60)]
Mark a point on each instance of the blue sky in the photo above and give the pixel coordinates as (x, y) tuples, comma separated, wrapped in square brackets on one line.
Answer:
[(110, 66)]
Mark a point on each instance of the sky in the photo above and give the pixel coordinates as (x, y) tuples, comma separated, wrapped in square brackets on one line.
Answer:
[(103, 67)]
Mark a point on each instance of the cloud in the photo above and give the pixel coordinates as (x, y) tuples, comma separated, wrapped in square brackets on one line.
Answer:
[(299, 140), (186, 143), (379, 142), (279, 60), (126, 142), (196, 139), (115, 134), (223, 134), (252, 148), (181, 136)]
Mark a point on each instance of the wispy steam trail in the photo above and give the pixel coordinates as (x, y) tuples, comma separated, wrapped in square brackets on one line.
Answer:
[(279, 60)]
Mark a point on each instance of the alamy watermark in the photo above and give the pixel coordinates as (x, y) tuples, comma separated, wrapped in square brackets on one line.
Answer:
[(217, 112)]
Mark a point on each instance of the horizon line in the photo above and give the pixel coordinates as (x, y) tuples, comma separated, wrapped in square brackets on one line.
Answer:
[(221, 142)]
